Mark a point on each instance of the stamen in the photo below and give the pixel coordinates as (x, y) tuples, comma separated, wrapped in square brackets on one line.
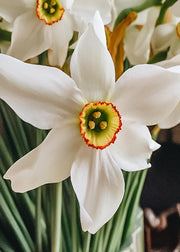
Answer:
[(97, 114), (52, 10), (53, 2), (103, 125), (46, 5), (92, 125)]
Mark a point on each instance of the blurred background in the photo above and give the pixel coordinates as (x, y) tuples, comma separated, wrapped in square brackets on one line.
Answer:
[(161, 195)]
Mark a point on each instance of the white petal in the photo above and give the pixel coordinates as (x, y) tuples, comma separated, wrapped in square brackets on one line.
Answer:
[(147, 93), (40, 95), (92, 67), (81, 26), (61, 33), (123, 4), (99, 186), (175, 9), (174, 47), (171, 120), (29, 37), (67, 4), (99, 28), (86, 9), (170, 63), (162, 36), (133, 146), (136, 51), (11, 9), (50, 162)]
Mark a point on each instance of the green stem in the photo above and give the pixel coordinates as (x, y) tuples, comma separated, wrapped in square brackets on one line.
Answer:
[(141, 175), (74, 224), (14, 227), (120, 218), (146, 4), (38, 220), (165, 6), (87, 240), (56, 236)]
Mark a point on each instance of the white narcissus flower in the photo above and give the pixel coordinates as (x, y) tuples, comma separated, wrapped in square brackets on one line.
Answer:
[(168, 35), (39, 25), (138, 36), (98, 126)]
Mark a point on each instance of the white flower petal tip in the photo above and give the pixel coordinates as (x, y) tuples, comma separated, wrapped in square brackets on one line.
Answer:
[(15, 182), (95, 85), (50, 162), (99, 28), (155, 89), (86, 221), (34, 90), (154, 146), (99, 186)]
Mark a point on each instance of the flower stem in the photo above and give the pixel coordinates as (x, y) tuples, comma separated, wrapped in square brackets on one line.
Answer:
[(87, 240), (74, 224), (56, 237), (38, 221)]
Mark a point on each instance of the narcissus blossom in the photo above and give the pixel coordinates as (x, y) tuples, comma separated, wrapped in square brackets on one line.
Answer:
[(138, 36), (39, 25), (98, 126), (167, 36)]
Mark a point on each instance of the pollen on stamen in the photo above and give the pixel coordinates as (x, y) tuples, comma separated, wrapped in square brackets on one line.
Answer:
[(92, 125), (46, 5), (52, 10), (53, 2), (103, 125), (97, 114)]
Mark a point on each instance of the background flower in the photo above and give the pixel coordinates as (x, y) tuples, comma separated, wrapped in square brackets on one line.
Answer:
[(32, 36)]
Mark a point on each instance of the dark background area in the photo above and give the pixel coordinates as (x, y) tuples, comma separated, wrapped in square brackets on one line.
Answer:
[(162, 191)]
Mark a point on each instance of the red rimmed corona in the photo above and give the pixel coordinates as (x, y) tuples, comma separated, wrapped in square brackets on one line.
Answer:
[(99, 124), (50, 11), (178, 29)]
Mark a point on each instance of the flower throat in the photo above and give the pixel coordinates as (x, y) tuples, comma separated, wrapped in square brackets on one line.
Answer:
[(50, 11)]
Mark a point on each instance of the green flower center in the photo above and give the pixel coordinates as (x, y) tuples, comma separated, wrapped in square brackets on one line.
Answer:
[(50, 11), (99, 124)]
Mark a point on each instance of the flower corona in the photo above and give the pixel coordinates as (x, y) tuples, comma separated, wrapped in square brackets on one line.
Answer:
[(99, 124), (50, 11), (178, 29)]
